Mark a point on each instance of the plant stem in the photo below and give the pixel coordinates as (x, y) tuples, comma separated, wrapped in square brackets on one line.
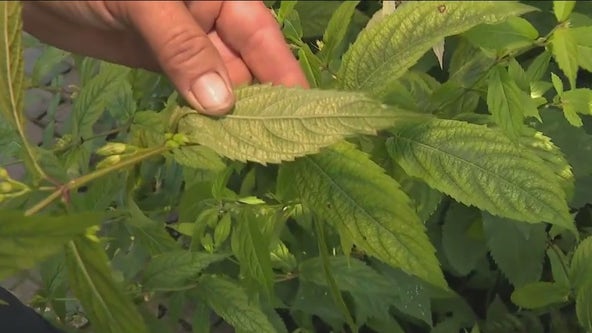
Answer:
[(83, 180)]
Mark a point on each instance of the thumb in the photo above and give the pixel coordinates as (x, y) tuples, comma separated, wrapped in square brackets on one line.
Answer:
[(185, 53)]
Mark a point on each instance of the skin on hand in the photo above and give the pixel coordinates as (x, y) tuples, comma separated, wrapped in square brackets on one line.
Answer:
[(204, 47)]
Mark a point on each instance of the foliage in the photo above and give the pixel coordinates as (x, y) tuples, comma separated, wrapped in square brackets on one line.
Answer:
[(407, 191)]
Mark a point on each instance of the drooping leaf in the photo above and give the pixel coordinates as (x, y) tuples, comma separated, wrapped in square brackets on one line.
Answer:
[(511, 34), (11, 62), (540, 294), (343, 186), (104, 301), (478, 166), (517, 248), (175, 269), (231, 302), (562, 9), (584, 306), (274, 124), (577, 101), (581, 265), (384, 51), (251, 248), (336, 29), (25, 241), (565, 51)]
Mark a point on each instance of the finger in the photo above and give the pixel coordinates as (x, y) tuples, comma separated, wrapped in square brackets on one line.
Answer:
[(237, 69), (260, 42), (183, 51)]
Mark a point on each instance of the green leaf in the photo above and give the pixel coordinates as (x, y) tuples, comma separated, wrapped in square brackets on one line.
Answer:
[(336, 30), (562, 9), (512, 34), (577, 101), (462, 238), (26, 240), (311, 65), (384, 51), (104, 301), (478, 166), (198, 157), (559, 265), (584, 306), (274, 124), (343, 186), (48, 60), (583, 37), (231, 303), (508, 103), (581, 265), (252, 250), (177, 269), (540, 294), (11, 60), (517, 248), (538, 67), (565, 51), (95, 95), (557, 84)]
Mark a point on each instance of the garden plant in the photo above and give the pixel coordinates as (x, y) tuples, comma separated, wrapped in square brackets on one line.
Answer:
[(436, 177)]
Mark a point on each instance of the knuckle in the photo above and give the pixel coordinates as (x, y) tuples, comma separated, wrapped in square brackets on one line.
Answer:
[(184, 48)]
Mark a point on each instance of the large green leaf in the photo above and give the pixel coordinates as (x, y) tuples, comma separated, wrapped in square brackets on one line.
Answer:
[(336, 30), (512, 34), (231, 302), (581, 265), (11, 63), (384, 51), (104, 301), (562, 9), (565, 50), (177, 269), (584, 306), (478, 166), (24, 241), (343, 186), (517, 248), (274, 124), (540, 294)]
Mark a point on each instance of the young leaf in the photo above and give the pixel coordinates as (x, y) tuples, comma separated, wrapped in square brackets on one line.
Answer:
[(540, 294), (274, 124), (25, 241), (343, 186), (174, 269), (384, 51), (478, 166), (252, 250), (336, 30), (517, 248), (559, 265), (11, 62), (584, 306), (583, 36), (511, 34), (538, 67), (581, 265), (577, 101), (231, 303), (562, 9), (104, 301), (565, 51)]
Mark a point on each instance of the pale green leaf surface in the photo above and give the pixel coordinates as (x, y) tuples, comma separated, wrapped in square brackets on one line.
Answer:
[(478, 166), (581, 265), (562, 9), (231, 302), (584, 306), (198, 157), (11, 62), (104, 301), (384, 51), (343, 186), (25, 241), (577, 101), (274, 124), (517, 248), (176, 269), (540, 294), (565, 50), (511, 34)]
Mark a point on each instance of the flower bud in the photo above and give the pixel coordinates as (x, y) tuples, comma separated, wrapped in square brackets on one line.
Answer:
[(6, 187), (109, 161), (112, 148), (3, 174)]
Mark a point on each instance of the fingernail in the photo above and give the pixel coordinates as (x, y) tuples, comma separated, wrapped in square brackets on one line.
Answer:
[(212, 94)]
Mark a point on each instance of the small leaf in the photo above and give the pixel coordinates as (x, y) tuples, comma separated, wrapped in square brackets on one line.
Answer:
[(584, 306), (25, 241), (540, 294), (11, 62), (231, 303), (557, 84), (581, 265), (478, 166), (385, 50), (175, 269), (48, 60), (517, 248), (565, 51), (104, 301), (562, 9), (274, 124), (577, 101), (343, 186), (512, 34), (538, 67), (336, 30), (559, 265)]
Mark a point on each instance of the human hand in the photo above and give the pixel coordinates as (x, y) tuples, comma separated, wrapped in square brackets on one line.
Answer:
[(204, 47)]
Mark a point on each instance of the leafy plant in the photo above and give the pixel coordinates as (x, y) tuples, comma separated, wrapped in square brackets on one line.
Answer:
[(407, 191)]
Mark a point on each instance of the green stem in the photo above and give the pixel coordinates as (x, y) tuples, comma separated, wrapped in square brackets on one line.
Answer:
[(83, 180)]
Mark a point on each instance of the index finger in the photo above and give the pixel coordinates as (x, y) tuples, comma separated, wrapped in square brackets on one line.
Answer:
[(259, 41)]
